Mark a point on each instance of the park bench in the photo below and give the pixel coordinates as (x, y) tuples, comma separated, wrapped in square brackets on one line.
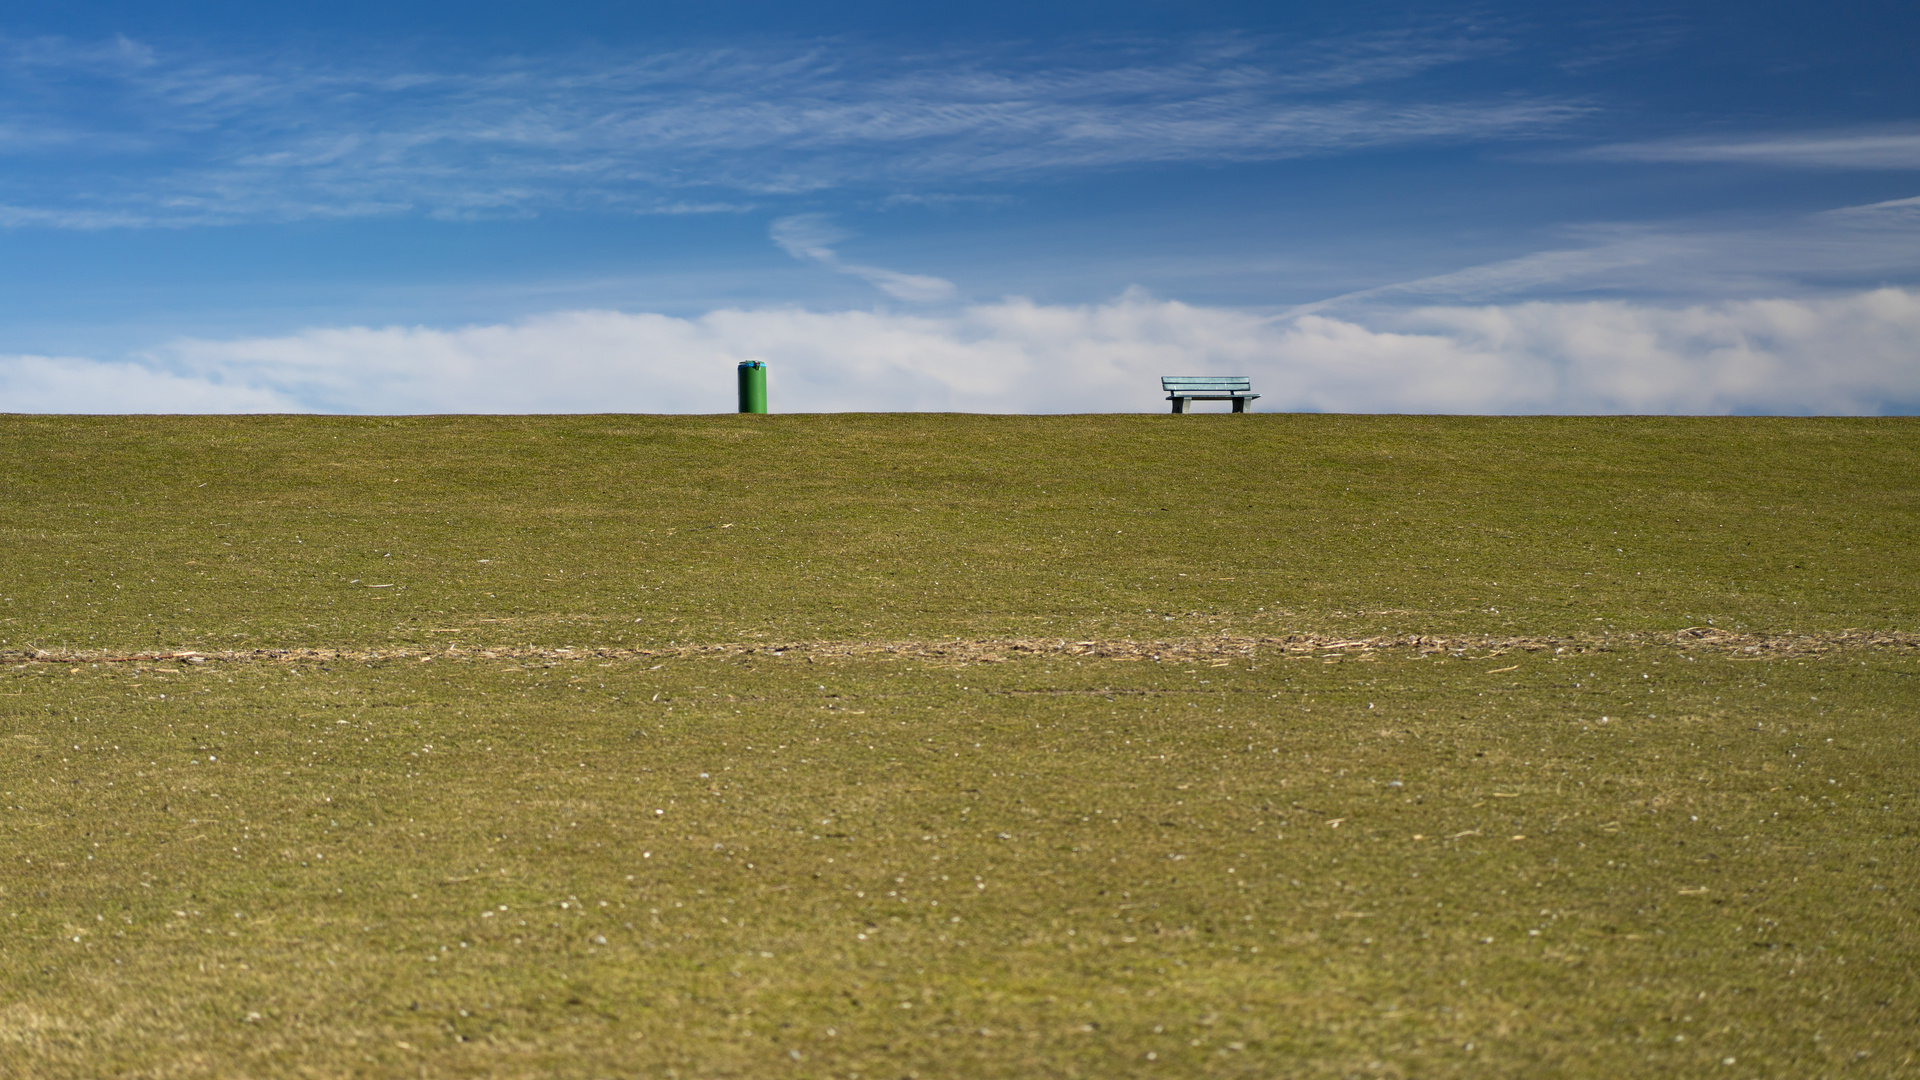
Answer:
[(1184, 388)]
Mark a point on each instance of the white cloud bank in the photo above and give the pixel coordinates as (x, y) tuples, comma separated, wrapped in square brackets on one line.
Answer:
[(1857, 354)]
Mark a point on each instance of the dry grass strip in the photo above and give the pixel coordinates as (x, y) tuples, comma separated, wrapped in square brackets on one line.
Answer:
[(998, 650)]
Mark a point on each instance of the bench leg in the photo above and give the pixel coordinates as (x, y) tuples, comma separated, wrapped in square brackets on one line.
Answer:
[(1239, 404), (1179, 405)]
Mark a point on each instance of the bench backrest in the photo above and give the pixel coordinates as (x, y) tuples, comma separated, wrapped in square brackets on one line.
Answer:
[(1206, 384)]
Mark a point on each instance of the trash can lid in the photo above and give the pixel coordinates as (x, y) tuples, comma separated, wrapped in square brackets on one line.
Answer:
[(752, 363)]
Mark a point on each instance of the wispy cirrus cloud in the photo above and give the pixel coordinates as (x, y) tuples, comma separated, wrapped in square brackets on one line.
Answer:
[(1623, 37), (1816, 150), (1898, 213), (1845, 248), (125, 133), (811, 237)]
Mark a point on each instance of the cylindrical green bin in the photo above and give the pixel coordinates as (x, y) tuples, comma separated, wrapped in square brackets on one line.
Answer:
[(753, 386)]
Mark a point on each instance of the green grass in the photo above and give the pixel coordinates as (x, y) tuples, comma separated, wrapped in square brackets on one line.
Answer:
[(1233, 860), (247, 532)]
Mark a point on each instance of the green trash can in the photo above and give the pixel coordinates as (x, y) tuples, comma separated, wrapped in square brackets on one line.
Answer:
[(753, 386)]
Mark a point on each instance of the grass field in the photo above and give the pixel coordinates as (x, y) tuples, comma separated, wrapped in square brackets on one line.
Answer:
[(928, 746)]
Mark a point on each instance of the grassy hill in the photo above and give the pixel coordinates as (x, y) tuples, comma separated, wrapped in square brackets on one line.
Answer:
[(958, 746), (218, 533)]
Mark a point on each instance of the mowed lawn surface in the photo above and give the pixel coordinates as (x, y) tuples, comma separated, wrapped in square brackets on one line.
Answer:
[(218, 533), (1616, 854)]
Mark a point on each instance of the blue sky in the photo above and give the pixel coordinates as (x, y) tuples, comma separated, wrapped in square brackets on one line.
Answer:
[(423, 207)]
